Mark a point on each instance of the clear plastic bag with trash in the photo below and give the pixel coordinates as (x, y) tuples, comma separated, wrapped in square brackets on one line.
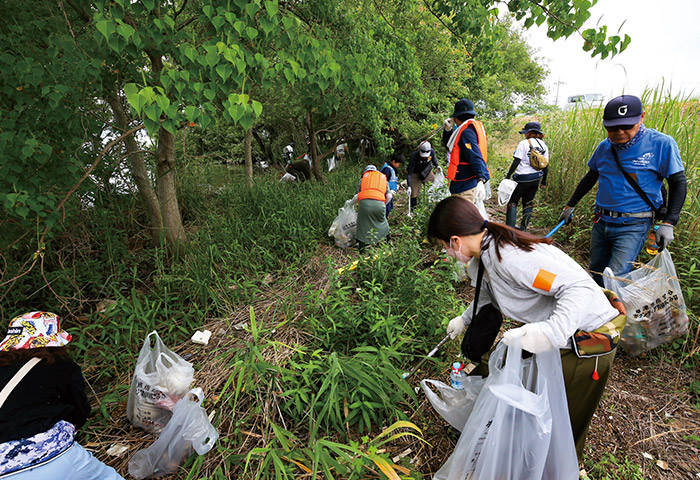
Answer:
[(656, 310), (452, 404), (161, 378), (510, 433), (189, 430), (344, 226), (439, 189)]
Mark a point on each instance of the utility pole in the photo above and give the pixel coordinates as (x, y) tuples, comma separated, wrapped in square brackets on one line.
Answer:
[(557, 83)]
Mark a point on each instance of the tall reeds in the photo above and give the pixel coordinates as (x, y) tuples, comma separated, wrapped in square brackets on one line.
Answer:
[(573, 136)]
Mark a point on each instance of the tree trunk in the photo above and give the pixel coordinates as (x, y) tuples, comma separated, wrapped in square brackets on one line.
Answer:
[(264, 148), (318, 174), (248, 157), (169, 208), (139, 171)]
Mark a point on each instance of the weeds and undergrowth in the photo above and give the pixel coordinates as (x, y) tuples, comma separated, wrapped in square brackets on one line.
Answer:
[(363, 325), (610, 467)]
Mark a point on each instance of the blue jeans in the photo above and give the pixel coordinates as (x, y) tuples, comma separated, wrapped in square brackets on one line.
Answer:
[(616, 245), (76, 463)]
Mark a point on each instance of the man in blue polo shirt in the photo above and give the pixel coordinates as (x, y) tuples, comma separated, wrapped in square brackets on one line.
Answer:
[(623, 217)]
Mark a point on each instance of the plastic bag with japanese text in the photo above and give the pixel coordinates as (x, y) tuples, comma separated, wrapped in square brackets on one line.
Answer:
[(656, 311), (161, 378), (189, 429)]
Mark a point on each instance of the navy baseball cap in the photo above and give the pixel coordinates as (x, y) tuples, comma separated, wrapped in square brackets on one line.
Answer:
[(623, 110)]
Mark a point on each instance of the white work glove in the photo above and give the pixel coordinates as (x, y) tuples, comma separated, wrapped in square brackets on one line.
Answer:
[(532, 338), (455, 327), (664, 235), (448, 124), (389, 196), (480, 193), (439, 169)]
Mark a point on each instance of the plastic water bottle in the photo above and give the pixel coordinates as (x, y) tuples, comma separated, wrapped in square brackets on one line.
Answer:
[(651, 247), (457, 376)]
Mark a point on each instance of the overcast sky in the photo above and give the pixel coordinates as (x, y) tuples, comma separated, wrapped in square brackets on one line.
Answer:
[(665, 46)]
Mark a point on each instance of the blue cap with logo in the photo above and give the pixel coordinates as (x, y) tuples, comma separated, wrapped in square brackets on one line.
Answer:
[(623, 110)]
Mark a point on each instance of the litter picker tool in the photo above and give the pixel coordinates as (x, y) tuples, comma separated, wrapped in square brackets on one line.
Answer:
[(423, 360), (559, 225), (430, 135)]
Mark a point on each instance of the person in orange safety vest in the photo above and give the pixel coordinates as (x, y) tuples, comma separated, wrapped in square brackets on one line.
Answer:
[(467, 147), (373, 194)]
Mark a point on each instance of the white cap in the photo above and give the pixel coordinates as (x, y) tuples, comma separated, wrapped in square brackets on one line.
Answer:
[(425, 149)]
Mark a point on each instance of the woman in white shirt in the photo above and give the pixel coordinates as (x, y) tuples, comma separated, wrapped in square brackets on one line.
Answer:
[(527, 279), (527, 176)]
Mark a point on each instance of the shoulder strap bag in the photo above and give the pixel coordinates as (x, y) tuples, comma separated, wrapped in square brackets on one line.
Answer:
[(484, 328), (660, 212), (17, 378)]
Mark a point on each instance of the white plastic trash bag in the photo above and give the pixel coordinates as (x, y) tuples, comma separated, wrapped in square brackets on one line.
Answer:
[(482, 209), (656, 311), (161, 378), (519, 427), (288, 178), (189, 429), (438, 189), (331, 163), (344, 226), (487, 189), (505, 190), (453, 405)]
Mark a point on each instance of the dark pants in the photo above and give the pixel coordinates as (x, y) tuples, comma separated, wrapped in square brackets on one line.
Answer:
[(300, 169), (526, 192)]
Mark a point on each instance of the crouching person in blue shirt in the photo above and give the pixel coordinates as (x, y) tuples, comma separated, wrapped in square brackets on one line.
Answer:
[(389, 169)]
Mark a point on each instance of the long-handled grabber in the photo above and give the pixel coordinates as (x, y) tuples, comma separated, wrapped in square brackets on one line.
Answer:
[(423, 360), (559, 225)]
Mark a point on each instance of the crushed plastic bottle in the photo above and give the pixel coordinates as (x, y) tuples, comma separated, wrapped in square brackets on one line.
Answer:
[(457, 376), (651, 247)]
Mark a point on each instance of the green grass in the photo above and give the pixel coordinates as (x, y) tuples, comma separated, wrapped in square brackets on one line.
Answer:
[(362, 326)]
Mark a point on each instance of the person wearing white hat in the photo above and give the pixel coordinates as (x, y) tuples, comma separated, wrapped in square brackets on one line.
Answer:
[(42, 405), (420, 170)]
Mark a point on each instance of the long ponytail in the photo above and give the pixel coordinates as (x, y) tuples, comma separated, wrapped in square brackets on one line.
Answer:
[(458, 216)]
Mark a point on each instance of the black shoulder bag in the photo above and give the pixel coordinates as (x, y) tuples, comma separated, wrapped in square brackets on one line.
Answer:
[(659, 213), (484, 328)]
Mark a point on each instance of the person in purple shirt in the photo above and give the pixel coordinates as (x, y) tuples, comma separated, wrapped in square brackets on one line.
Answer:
[(623, 216)]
